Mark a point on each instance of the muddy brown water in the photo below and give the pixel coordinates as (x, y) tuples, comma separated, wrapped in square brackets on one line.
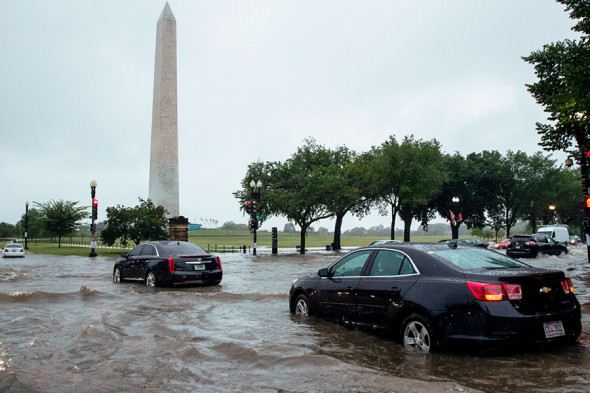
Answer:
[(66, 327)]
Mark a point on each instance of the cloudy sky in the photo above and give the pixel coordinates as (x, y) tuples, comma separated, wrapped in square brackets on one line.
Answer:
[(255, 78)]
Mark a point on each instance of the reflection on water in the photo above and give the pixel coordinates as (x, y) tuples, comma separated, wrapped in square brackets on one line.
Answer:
[(65, 326)]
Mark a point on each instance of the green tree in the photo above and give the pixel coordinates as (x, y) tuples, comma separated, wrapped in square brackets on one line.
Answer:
[(563, 88), (425, 175), (36, 225), (292, 189), (470, 179), (403, 176), (140, 223), (6, 230), (345, 187), (61, 217)]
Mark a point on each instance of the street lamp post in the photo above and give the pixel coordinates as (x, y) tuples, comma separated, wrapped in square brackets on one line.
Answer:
[(255, 196), (552, 209), (26, 225), (455, 218), (92, 226)]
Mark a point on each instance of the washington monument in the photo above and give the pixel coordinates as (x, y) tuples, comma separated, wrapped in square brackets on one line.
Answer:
[(164, 145)]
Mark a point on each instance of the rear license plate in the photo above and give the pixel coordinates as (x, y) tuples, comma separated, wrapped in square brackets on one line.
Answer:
[(199, 267), (553, 329), (517, 247)]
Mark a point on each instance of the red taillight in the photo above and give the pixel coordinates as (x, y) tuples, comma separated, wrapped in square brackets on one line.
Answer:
[(171, 265), (567, 285), (529, 244), (219, 263), (6, 250), (495, 292), (22, 250)]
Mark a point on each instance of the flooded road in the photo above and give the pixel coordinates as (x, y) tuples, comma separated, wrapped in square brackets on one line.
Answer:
[(66, 327)]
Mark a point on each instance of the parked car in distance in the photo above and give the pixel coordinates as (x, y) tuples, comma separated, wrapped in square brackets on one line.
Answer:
[(575, 240), (168, 262), (384, 242), (557, 233), (476, 242), (13, 250), (503, 244), (458, 242), (429, 295), (529, 246)]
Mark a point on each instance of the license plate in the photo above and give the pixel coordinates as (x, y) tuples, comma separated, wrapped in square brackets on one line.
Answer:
[(553, 329), (517, 247), (199, 267)]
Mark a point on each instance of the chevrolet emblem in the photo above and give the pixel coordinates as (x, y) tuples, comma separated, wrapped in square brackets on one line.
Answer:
[(545, 289)]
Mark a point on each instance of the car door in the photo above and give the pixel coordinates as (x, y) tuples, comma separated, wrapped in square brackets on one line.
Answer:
[(335, 293), (148, 253), (380, 292), (130, 267)]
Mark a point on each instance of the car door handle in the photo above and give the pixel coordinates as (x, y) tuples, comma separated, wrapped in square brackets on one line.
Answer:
[(395, 289), (349, 288)]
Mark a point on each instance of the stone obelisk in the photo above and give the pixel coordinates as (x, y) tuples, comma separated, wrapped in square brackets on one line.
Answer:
[(164, 145)]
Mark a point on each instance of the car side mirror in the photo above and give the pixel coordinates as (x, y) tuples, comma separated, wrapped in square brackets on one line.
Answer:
[(124, 254), (323, 272)]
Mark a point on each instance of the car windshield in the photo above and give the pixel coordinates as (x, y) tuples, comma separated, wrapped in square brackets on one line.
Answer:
[(185, 249), (473, 258)]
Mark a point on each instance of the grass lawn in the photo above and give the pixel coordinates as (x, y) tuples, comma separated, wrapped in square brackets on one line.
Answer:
[(216, 241)]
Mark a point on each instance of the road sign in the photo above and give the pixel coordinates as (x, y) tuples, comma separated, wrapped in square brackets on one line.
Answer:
[(94, 237)]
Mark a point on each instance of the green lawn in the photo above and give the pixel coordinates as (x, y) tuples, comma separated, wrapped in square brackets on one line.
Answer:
[(212, 240)]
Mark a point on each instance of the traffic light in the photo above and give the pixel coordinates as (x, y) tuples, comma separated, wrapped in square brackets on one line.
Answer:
[(587, 204), (249, 207), (94, 209)]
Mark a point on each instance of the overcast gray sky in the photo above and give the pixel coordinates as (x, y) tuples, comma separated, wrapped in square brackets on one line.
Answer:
[(255, 78)]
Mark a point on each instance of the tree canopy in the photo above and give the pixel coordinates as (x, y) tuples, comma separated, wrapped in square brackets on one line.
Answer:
[(61, 218), (140, 223)]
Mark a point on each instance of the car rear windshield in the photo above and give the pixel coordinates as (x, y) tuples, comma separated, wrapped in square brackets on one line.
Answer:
[(14, 246), (473, 258), (185, 249)]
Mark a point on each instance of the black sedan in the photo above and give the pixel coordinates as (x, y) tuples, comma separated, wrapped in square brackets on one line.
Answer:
[(531, 245), (168, 263), (428, 295)]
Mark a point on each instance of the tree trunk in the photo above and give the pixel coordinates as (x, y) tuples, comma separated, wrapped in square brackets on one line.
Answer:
[(508, 225), (454, 231), (392, 235), (302, 240), (59, 242), (407, 227), (337, 231)]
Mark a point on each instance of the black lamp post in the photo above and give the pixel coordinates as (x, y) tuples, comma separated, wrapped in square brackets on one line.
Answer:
[(455, 221), (92, 226), (26, 225), (255, 196)]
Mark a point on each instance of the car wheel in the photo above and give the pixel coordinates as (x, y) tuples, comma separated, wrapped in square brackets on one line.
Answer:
[(117, 276), (303, 306), (417, 332), (150, 280)]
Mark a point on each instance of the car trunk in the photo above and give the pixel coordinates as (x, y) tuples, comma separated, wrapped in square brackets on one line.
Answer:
[(542, 292), (196, 263)]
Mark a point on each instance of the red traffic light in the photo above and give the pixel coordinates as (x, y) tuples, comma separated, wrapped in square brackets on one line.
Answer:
[(587, 202), (95, 202)]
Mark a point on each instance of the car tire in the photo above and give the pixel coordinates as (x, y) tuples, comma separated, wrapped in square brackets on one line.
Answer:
[(150, 280), (303, 306), (117, 278), (416, 331)]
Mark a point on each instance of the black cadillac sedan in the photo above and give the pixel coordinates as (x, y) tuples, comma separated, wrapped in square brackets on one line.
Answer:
[(168, 262), (429, 295)]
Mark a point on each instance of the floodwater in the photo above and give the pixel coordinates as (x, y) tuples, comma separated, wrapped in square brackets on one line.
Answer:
[(66, 327)]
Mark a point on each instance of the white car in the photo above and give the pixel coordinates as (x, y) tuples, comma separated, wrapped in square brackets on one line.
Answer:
[(13, 250)]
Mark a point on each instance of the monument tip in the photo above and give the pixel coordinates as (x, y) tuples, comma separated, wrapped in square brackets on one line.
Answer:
[(167, 13)]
